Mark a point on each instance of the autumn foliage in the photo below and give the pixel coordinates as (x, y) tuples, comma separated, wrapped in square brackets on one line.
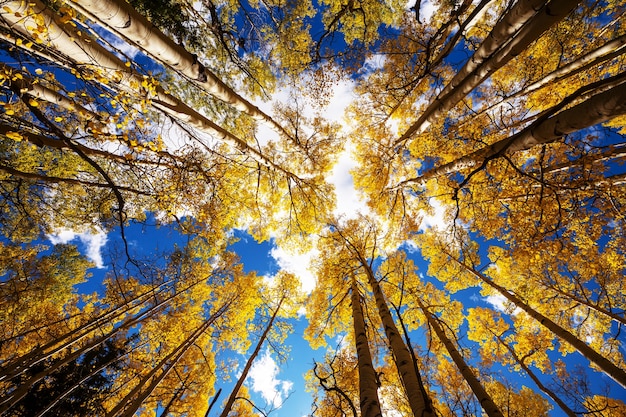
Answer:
[(488, 142)]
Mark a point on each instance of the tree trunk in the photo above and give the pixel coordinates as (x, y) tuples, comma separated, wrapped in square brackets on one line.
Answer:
[(44, 141), (524, 23), (122, 19), (568, 411), (608, 367), (446, 48), (26, 86), (19, 365), (413, 386), (22, 390), (88, 52), (597, 109), (368, 387), (485, 400), (246, 369), (123, 408), (63, 395), (619, 319), (610, 50)]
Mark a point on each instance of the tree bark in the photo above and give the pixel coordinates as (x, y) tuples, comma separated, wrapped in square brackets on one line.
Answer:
[(483, 397), (19, 365), (609, 50), (125, 407), (26, 86), (122, 19), (411, 380), (83, 51), (597, 109), (22, 390), (525, 22), (368, 388)]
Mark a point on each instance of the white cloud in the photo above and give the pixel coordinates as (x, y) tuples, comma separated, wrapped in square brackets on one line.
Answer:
[(437, 219), (298, 264), (348, 201), (263, 375), (94, 242), (500, 303), (427, 10)]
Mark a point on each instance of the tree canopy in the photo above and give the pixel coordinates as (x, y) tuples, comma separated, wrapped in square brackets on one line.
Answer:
[(487, 146)]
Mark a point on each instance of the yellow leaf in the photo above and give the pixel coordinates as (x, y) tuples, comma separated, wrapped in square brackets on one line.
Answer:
[(38, 71), (58, 119), (33, 102), (14, 135)]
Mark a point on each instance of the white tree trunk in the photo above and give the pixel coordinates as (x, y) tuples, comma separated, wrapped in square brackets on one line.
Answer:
[(524, 23), (368, 388), (87, 52), (608, 367), (122, 19), (597, 109)]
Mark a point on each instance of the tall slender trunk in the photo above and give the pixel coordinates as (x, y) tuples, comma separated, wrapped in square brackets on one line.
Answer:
[(610, 50), (448, 45), (22, 390), (24, 85), (84, 51), (411, 380), (92, 372), (608, 367), (568, 411), (483, 397), (525, 22), (21, 364), (67, 340), (45, 141), (253, 356), (620, 319), (368, 387), (133, 400), (177, 394), (597, 109), (122, 19)]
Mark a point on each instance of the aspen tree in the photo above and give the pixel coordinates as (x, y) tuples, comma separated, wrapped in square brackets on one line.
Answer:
[(483, 325), (122, 19), (523, 23), (594, 357), (479, 391), (286, 295), (368, 390), (599, 108)]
